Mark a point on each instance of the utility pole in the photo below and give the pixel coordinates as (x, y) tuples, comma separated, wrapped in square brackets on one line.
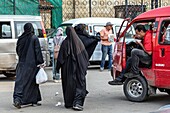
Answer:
[(74, 9), (14, 7), (142, 6), (154, 4), (126, 8), (89, 8)]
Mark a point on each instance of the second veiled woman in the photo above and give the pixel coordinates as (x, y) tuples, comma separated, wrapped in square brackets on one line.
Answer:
[(73, 61), (90, 42), (28, 49)]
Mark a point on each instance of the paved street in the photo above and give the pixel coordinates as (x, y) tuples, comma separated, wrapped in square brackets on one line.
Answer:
[(102, 98)]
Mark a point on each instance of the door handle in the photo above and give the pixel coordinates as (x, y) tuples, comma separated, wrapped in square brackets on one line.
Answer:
[(162, 52)]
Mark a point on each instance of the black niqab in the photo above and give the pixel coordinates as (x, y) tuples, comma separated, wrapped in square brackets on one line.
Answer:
[(24, 38), (28, 48), (90, 42), (73, 60)]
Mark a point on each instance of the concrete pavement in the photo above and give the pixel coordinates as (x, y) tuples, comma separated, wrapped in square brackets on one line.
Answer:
[(102, 98)]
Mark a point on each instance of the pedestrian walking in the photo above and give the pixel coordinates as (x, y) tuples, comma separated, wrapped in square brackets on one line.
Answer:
[(28, 49), (90, 42), (57, 40), (106, 45), (73, 61)]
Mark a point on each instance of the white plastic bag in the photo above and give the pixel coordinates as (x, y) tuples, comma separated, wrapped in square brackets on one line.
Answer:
[(41, 76)]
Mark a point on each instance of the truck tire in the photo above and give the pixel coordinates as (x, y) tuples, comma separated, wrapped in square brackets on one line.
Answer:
[(136, 89)]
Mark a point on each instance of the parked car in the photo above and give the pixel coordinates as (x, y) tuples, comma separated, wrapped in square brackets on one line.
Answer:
[(156, 74), (11, 27)]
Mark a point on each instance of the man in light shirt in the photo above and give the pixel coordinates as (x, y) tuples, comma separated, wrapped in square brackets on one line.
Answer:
[(106, 45)]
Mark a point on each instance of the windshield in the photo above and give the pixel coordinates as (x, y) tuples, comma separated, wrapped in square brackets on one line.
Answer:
[(129, 33)]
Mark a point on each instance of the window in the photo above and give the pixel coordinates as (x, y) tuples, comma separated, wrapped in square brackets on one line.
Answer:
[(5, 30), (97, 28), (164, 35), (128, 35), (19, 28)]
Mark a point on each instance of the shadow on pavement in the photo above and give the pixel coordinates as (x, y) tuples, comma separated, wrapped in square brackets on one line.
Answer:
[(7, 79)]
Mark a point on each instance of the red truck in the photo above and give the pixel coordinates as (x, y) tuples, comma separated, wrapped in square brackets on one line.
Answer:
[(156, 75)]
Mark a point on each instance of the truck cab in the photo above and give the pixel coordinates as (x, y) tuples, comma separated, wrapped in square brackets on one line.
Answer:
[(156, 74)]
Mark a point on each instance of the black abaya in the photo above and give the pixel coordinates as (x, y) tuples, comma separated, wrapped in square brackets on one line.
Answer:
[(73, 61), (26, 90), (90, 42)]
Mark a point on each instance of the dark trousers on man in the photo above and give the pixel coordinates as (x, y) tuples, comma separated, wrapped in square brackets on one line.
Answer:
[(132, 64)]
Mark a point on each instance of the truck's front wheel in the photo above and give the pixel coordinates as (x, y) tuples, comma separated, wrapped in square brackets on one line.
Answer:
[(135, 89)]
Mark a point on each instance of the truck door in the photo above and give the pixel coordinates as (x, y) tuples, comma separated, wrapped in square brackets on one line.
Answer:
[(162, 55), (124, 35)]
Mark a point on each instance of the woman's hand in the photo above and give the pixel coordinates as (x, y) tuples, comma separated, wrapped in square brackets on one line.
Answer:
[(42, 65)]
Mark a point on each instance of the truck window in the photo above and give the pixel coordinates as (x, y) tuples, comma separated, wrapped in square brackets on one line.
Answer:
[(19, 28), (5, 30), (164, 37), (129, 33)]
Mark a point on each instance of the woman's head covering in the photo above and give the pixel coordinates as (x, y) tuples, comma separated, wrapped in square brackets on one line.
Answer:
[(81, 29), (90, 42), (73, 46), (28, 28), (25, 37), (74, 39), (59, 32), (58, 38)]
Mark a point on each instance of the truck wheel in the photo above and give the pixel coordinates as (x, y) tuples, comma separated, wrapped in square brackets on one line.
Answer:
[(135, 89)]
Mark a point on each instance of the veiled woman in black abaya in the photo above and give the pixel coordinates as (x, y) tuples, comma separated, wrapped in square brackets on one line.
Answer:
[(90, 42), (73, 61), (28, 49)]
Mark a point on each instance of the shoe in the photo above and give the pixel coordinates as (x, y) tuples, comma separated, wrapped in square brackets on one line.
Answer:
[(78, 107), (131, 75), (101, 69), (57, 81), (17, 104), (115, 82)]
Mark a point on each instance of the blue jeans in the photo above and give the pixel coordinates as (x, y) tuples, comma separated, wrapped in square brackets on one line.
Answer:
[(132, 63), (55, 75), (121, 77), (106, 50)]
